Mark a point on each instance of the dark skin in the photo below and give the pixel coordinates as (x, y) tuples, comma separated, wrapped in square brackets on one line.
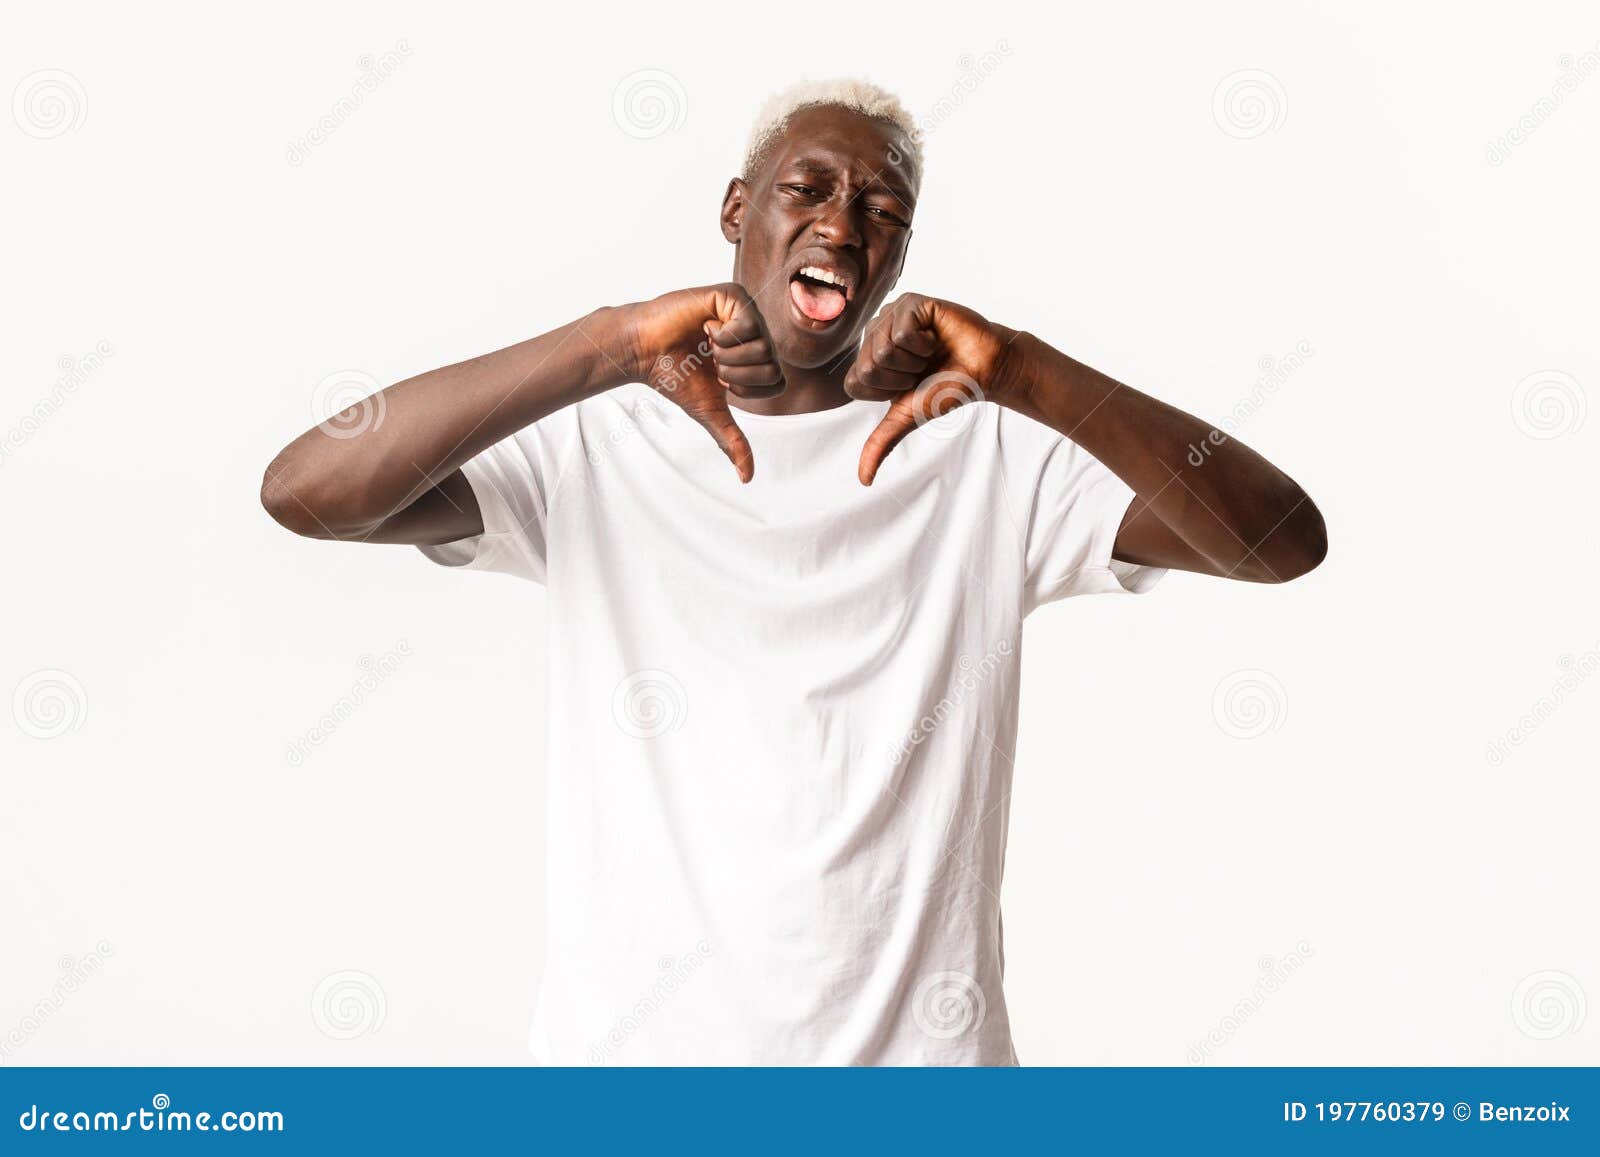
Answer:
[(833, 191), (833, 196)]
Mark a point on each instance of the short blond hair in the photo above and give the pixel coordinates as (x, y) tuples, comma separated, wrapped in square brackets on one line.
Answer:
[(857, 95)]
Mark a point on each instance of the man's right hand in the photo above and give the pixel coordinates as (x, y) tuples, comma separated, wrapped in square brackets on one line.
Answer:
[(399, 478), (696, 346)]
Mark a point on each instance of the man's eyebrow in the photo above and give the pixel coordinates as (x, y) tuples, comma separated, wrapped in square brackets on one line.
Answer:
[(899, 192), (807, 165), (892, 187)]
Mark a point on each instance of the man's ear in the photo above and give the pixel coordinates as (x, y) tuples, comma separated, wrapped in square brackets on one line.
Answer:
[(733, 210)]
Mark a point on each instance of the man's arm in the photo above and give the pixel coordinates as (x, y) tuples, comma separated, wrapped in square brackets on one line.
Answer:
[(1235, 515), (399, 480)]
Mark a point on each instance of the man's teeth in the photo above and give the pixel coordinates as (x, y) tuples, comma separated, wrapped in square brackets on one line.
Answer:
[(823, 276)]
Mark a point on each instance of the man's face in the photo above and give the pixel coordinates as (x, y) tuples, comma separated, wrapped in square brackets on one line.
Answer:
[(822, 231)]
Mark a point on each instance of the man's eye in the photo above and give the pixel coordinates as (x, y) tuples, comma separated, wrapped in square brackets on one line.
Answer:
[(803, 190), (884, 214)]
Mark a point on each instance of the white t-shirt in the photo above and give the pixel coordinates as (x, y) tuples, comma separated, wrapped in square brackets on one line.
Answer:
[(782, 718)]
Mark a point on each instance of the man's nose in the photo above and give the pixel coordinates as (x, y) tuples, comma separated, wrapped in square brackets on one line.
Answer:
[(837, 224)]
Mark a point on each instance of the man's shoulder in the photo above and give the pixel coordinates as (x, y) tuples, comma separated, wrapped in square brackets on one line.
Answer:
[(1022, 438), (593, 416)]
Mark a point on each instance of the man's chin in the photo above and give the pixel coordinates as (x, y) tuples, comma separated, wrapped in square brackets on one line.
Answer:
[(806, 348)]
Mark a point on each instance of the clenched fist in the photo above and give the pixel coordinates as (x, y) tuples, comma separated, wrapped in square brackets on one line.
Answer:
[(925, 357), (696, 346)]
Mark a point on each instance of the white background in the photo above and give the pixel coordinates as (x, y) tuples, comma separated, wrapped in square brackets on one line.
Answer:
[(1095, 188)]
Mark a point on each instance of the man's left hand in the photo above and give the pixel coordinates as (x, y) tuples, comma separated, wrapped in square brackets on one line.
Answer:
[(926, 357)]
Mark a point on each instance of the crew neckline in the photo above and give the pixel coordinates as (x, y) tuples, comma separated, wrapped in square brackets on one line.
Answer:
[(811, 417)]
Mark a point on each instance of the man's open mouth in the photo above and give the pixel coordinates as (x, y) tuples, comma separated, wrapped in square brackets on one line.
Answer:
[(820, 293)]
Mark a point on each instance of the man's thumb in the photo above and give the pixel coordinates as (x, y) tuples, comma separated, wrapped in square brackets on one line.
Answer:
[(891, 430), (726, 433)]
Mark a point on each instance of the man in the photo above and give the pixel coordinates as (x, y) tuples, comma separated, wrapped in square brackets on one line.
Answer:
[(784, 697)]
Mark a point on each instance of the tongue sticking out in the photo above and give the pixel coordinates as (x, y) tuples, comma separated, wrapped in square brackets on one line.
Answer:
[(816, 301)]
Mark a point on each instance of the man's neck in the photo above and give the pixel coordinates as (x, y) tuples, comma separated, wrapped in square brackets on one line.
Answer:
[(805, 391)]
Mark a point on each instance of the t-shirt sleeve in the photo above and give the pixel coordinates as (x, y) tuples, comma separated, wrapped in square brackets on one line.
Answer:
[(1069, 508), (512, 481)]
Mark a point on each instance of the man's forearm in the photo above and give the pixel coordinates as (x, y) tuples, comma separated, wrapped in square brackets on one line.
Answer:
[(330, 486), (1235, 509)]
